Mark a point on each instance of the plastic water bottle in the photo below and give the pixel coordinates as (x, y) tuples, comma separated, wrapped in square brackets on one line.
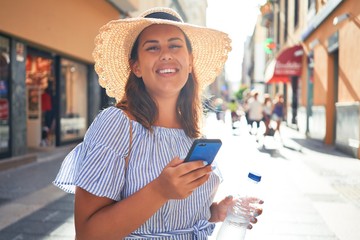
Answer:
[(238, 216)]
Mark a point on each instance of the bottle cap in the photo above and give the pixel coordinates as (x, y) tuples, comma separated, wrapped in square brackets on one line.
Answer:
[(254, 176)]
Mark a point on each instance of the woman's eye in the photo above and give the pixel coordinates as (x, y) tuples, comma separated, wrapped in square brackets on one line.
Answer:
[(152, 48), (175, 46)]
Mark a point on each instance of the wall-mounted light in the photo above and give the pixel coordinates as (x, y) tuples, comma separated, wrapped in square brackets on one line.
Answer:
[(340, 18)]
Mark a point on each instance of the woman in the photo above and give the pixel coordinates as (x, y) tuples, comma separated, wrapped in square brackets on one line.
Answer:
[(278, 111), (128, 174)]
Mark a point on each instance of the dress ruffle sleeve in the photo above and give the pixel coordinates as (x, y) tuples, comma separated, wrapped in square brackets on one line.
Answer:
[(98, 163)]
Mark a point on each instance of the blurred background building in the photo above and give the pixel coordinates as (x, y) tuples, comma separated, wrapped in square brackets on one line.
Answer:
[(305, 50), (311, 56), (48, 87)]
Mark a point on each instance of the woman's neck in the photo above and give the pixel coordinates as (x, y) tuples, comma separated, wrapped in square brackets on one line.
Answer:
[(167, 113)]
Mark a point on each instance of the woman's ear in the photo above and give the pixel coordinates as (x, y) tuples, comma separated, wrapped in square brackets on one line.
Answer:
[(136, 69)]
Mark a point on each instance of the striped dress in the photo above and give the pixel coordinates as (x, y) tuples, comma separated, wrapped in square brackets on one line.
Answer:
[(98, 166)]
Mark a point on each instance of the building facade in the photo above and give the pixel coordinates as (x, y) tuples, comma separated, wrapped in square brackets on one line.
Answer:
[(314, 66), (49, 91), (331, 45)]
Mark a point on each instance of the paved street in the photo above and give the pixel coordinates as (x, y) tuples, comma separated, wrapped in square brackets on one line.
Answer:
[(311, 191), (30, 206)]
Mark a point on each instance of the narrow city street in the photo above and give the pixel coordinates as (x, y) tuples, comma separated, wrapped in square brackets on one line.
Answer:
[(311, 191), (282, 64)]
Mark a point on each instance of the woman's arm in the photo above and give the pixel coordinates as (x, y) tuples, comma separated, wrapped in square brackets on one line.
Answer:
[(103, 218)]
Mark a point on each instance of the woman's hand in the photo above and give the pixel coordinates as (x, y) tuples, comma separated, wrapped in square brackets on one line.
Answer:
[(219, 210), (251, 208), (178, 179)]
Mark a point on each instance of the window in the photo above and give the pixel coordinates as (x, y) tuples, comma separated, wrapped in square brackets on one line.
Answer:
[(286, 21), (40, 92), (4, 95), (296, 13), (278, 29), (311, 4), (73, 100), (311, 10)]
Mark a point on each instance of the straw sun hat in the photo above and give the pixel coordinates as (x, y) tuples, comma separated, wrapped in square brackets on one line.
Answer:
[(114, 42)]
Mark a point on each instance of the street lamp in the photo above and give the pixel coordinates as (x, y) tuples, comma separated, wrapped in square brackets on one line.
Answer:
[(340, 18)]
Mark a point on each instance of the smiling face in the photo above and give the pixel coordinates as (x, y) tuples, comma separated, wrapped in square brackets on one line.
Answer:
[(164, 61)]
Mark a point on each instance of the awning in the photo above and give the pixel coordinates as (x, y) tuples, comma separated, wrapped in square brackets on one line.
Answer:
[(288, 63)]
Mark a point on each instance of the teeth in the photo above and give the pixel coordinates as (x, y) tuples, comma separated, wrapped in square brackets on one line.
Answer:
[(167, 71)]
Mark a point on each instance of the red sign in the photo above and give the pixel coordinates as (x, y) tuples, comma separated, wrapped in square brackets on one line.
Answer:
[(288, 63), (4, 109)]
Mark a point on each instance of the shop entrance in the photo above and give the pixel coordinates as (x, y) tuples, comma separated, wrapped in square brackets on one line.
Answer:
[(40, 95), (4, 97)]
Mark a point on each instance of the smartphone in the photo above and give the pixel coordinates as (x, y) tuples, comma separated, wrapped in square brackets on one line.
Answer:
[(204, 149)]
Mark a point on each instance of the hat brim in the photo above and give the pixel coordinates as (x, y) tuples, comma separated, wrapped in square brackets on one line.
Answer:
[(113, 45)]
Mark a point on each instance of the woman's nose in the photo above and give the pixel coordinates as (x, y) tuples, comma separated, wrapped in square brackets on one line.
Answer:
[(165, 55)]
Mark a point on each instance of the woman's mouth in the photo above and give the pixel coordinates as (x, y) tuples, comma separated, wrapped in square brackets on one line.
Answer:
[(167, 70)]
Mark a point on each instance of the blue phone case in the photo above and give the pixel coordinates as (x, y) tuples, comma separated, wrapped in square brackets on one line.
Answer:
[(204, 149)]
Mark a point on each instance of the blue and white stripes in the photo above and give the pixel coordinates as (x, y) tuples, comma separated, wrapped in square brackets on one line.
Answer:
[(98, 166)]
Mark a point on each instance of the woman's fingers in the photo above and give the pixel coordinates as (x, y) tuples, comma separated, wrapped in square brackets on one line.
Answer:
[(258, 212), (253, 220), (179, 180)]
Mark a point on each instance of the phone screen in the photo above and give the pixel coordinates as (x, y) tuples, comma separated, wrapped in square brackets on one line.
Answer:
[(204, 149)]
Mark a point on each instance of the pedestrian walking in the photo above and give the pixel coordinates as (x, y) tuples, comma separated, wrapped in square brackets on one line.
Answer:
[(128, 174), (278, 111), (220, 109), (233, 107), (255, 112), (47, 117)]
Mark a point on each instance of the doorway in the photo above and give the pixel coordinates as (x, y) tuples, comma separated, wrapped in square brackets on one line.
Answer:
[(335, 55), (40, 95), (5, 97)]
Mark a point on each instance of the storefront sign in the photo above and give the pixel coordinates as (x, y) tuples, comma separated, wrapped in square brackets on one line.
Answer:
[(4, 109), (72, 125), (287, 64), (3, 88)]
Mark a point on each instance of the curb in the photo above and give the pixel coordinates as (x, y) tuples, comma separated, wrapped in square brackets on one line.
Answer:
[(17, 161), (37, 156)]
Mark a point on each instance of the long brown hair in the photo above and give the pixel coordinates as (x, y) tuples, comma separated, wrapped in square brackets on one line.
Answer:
[(140, 104)]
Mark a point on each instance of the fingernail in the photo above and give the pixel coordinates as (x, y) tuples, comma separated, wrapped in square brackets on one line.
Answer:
[(182, 157), (205, 163), (213, 167)]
